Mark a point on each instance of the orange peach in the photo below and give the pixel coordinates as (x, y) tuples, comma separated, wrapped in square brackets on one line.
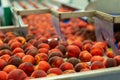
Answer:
[(38, 74), (18, 50), (20, 55), (28, 58), (110, 54), (55, 71), (15, 45), (9, 68), (32, 52), (5, 57), (77, 43), (55, 61), (87, 46), (85, 56), (72, 51), (44, 45), (16, 74), (45, 66), (27, 67), (20, 39), (97, 58), (80, 66), (43, 50), (41, 57), (101, 44), (66, 66), (117, 58)]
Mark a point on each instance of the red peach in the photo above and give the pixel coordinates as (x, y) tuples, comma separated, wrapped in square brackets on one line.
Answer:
[(9, 68), (117, 58), (18, 50), (85, 56), (43, 50), (5, 57), (44, 45), (101, 44), (110, 54), (32, 52), (27, 67), (97, 58), (5, 51), (110, 62), (20, 55), (66, 66), (87, 46), (55, 61), (77, 43), (14, 60), (45, 66), (15, 45), (62, 48), (28, 58), (81, 66), (55, 71), (41, 57), (27, 45), (53, 43), (3, 63), (72, 51), (38, 74), (96, 50), (3, 75), (16, 74), (97, 65), (68, 71)]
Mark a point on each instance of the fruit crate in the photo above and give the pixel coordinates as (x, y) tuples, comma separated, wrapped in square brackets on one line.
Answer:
[(100, 74), (26, 7)]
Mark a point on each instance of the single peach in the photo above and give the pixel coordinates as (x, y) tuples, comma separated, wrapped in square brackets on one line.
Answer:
[(38, 74), (72, 51), (43, 50), (55, 61), (87, 46), (97, 65), (3, 75), (66, 66), (101, 44), (80, 66), (9, 68), (85, 56), (41, 57), (110, 62), (117, 58), (53, 43), (110, 54), (3, 63), (15, 45), (44, 45), (78, 43), (16, 74), (14, 60), (1, 42), (62, 49), (20, 55), (20, 39), (32, 52), (97, 58), (18, 50), (5, 57), (27, 67), (55, 71), (28, 58), (45, 66), (57, 53), (73, 61)]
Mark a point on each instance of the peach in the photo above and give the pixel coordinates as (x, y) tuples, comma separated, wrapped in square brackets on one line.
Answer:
[(97, 58), (5, 57), (5, 46), (20, 55), (117, 58), (72, 51), (27, 45), (55, 71), (81, 66), (11, 41), (32, 52), (5, 51), (41, 57), (101, 44), (84, 69), (27, 67), (87, 46), (3, 63), (20, 39), (51, 74), (110, 62), (97, 65), (38, 74), (66, 66), (55, 61), (68, 71), (30, 48), (110, 54), (18, 50), (55, 53), (43, 39), (62, 48), (14, 60), (43, 50), (73, 61), (44, 45), (1, 42), (97, 50), (85, 56), (53, 43), (32, 41), (2, 36), (29, 37), (3, 75), (9, 68), (10, 34), (28, 58), (78, 43), (15, 45), (6, 39), (45, 66), (37, 43), (16, 74), (64, 43), (87, 41)]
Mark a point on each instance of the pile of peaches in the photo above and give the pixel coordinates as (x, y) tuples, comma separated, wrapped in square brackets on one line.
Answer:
[(24, 58)]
